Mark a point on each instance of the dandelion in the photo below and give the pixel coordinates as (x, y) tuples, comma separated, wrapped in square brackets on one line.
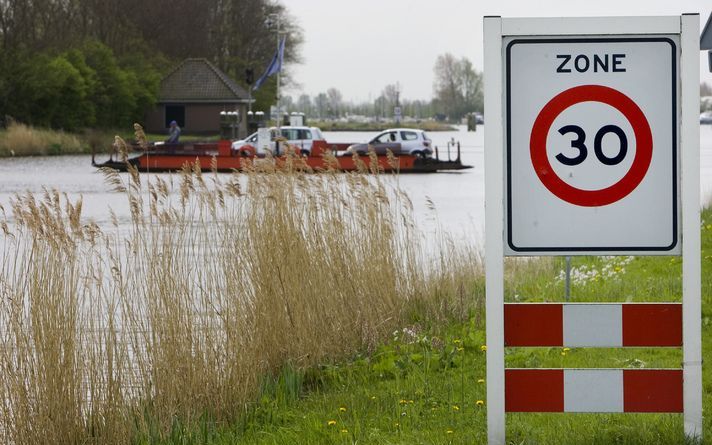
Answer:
[(344, 430), (457, 341), (403, 401), (480, 403), (342, 409), (396, 424), (460, 349), (483, 348), (480, 380), (373, 397), (331, 422), (455, 408), (449, 432)]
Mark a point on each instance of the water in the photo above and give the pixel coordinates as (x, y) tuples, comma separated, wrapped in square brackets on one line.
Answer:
[(453, 202)]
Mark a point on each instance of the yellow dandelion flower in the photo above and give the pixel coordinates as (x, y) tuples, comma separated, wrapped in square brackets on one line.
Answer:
[(483, 348), (480, 380), (449, 431), (342, 409), (567, 349), (331, 422), (457, 341), (480, 403), (403, 401), (373, 397), (396, 424), (344, 430), (455, 408), (460, 349)]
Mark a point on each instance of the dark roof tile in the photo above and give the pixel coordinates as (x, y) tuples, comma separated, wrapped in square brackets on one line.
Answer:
[(199, 80)]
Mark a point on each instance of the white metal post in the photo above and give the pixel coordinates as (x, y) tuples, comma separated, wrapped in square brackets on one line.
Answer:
[(494, 229), (691, 262)]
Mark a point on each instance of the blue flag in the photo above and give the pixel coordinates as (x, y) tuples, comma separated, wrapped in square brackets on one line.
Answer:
[(274, 66)]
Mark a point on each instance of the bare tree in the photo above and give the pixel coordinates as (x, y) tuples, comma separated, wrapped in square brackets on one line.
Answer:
[(335, 102), (304, 104), (705, 89), (457, 86), (321, 103)]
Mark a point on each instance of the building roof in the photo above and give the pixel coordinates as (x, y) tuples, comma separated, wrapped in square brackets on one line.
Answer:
[(198, 80)]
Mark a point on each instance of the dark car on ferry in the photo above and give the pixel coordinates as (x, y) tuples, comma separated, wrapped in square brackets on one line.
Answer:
[(399, 141)]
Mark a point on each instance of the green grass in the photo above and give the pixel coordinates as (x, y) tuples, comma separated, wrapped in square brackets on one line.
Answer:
[(426, 385)]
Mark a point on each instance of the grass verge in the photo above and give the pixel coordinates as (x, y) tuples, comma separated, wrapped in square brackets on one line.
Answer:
[(426, 384), (24, 140)]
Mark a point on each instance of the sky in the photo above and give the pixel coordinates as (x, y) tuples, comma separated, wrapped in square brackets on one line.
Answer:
[(360, 46)]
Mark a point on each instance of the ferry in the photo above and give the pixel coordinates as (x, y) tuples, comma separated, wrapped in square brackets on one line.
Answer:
[(323, 156)]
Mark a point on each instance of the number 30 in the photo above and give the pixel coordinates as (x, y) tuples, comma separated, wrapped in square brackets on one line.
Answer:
[(578, 144)]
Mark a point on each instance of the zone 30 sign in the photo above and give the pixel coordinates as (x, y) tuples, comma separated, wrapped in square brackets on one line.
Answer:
[(592, 145)]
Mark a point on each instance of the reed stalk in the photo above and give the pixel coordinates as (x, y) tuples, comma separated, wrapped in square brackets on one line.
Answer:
[(112, 334)]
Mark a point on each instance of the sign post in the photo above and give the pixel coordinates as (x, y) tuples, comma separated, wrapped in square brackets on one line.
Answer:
[(592, 149)]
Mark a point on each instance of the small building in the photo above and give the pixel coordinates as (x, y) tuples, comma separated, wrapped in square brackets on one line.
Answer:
[(194, 94)]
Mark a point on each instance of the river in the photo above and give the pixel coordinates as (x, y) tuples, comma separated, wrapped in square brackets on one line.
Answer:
[(452, 202)]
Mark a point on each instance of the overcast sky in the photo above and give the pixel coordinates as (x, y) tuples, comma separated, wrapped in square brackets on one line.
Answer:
[(360, 46)]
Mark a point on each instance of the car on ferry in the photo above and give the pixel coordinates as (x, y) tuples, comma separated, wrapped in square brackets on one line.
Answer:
[(399, 141), (301, 137)]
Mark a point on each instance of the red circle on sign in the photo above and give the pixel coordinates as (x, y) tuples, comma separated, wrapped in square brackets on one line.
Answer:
[(643, 141)]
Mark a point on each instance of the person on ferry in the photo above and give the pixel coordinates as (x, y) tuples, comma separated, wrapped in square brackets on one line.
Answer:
[(173, 133)]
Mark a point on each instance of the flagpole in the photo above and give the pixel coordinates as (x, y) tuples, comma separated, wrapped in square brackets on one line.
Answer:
[(279, 96), (277, 18), (275, 67)]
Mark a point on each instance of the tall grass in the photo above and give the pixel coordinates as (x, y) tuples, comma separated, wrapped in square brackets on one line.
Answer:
[(114, 334), (23, 140)]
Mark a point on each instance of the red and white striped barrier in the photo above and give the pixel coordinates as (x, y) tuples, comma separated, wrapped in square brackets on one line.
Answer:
[(593, 325), (594, 390)]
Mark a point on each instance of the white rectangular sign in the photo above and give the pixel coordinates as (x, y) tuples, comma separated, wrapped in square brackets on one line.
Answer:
[(592, 145)]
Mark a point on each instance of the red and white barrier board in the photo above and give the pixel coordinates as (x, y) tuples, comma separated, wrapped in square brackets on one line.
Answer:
[(593, 390), (593, 324)]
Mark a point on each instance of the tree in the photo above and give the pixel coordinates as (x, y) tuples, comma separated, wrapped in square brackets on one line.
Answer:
[(390, 98), (304, 104), (335, 102), (457, 87), (132, 43), (321, 104), (705, 89)]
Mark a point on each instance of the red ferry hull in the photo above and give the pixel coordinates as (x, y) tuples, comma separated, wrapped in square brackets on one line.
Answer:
[(221, 157)]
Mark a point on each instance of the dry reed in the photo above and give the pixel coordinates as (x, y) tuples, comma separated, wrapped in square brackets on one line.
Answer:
[(109, 334), (23, 140)]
